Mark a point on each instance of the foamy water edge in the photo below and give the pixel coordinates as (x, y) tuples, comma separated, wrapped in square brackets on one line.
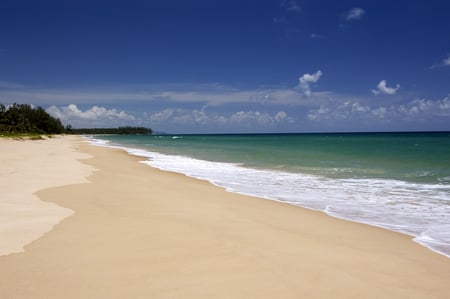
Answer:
[(431, 232)]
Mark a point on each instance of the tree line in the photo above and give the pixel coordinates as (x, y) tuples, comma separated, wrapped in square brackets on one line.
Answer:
[(25, 119), (119, 130)]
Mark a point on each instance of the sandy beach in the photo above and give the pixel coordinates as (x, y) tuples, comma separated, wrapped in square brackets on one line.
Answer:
[(29, 166), (102, 225)]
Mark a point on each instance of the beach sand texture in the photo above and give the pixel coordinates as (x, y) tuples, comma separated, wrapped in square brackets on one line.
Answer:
[(29, 166), (138, 232)]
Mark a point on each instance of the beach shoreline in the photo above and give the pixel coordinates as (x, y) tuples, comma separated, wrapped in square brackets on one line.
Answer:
[(140, 232)]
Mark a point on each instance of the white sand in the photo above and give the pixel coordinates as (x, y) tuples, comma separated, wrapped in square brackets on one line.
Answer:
[(26, 167), (138, 232)]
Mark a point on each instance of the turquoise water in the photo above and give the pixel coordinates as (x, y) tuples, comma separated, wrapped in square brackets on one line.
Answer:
[(399, 181), (418, 157)]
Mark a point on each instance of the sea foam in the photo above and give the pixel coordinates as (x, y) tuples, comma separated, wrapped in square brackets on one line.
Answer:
[(419, 210)]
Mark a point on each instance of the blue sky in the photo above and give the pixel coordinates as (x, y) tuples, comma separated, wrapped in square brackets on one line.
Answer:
[(230, 66)]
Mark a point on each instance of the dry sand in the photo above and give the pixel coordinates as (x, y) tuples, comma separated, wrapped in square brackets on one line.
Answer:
[(138, 232), (29, 166)]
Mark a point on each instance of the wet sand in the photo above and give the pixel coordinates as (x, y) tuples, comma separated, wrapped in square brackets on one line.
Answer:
[(138, 232)]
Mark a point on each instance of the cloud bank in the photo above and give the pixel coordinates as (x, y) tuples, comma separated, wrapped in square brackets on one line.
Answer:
[(93, 117), (170, 117), (201, 117), (331, 114), (420, 112), (218, 108)]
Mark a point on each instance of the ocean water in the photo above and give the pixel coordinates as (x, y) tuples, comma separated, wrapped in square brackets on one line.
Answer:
[(398, 181)]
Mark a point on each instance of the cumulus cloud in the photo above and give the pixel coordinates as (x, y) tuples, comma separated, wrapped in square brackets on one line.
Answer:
[(260, 110), (252, 117), (281, 116), (162, 116), (417, 111), (355, 13), (425, 108), (382, 88), (94, 116), (201, 117), (307, 79)]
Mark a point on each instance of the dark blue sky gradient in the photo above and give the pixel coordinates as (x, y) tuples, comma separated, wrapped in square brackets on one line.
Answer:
[(247, 45)]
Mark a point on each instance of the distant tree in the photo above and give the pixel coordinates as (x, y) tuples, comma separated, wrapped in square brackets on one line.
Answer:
[(3, 122), (23, 118), (68, 129)]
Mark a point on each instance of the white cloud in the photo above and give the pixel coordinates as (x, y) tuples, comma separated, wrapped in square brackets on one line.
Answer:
[(162, 116), (380, 112), (355, 13), (382, 88), (281, 116), (316, 36), (203, 118), (445, 62), (200, 117), (259, 109), (444, 105), (280, 20), (291, 5), (306, 79), (320, 113), (252, 117), (206, 94), (356, 111), (425, 108), (94, 116)]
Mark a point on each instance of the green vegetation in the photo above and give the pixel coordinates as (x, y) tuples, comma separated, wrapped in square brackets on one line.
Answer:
[(27, 136), (120, 130), (22, 120)]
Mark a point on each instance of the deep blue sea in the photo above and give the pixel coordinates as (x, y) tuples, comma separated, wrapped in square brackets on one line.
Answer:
[(398, 181)]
